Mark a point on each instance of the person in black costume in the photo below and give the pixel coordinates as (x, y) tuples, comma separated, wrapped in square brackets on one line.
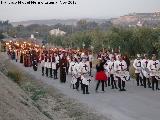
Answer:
[(100, 75), (63, 66), (35, 64)]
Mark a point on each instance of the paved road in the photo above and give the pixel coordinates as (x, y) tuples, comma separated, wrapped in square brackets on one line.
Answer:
[(136, 103)]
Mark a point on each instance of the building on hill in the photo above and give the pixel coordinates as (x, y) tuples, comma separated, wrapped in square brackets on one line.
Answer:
[(57, 32), (157, 14), (151, 20)]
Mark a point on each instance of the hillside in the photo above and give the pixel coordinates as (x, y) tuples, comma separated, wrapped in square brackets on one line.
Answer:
[(15, 104), (45, 22), (55, 21)]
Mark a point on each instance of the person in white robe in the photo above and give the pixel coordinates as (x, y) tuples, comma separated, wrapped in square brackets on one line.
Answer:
[(154, 68)]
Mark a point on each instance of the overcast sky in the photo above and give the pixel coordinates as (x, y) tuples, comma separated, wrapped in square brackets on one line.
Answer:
[(83, 9)]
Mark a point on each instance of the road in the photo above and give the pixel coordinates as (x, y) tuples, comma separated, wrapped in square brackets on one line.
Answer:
[(137, 103)]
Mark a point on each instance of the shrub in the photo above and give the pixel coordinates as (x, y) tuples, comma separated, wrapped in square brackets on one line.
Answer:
[(38, 93), (35, 92), (16, 76)]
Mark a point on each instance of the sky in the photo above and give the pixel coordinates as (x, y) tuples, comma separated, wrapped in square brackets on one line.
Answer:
[(82, 9)]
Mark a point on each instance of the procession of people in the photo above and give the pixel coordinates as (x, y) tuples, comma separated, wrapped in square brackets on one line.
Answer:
[(112, 68)]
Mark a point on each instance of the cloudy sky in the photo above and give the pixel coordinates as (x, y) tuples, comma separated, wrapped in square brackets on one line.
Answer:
[(83, 9)]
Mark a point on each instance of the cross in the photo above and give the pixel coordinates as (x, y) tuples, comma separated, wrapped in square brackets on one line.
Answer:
[(146, 63), (85, 66), (113, 65), (155, 64), (139, 64), (121, 66), (89, 80)]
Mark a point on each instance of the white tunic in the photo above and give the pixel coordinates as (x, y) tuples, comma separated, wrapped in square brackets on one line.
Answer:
[(71, 66), (57, 59), (42, 63), (49, 64), (154, 67), (54, 65), (145, 70), (84, 67), (86, 80), (45, 64), (120, 68), (74, 79), (76, 70), (106, 67), (137, 65), (111, 67)]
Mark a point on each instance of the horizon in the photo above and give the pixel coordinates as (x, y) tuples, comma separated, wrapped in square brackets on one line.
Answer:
[(105, 18), (63, 19)]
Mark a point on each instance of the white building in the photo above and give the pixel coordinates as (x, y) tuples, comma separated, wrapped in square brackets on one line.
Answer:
[(32, 36), (140, 24), (57, 32)]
